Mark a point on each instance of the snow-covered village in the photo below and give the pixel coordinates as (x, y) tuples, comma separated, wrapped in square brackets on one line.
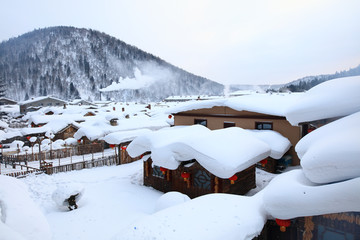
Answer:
[(180, 120), (256, 166)]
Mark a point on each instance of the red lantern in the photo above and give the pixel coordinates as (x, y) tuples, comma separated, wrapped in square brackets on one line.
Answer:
[(123, 148), (263, 162), (233, 179), (163, 170), (28, 137), (0, 146), (170, 116), (112, 146), (185, 176), (283, 224), (79, 140)]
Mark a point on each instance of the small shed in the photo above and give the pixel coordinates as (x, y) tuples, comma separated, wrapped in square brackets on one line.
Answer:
[(66, 132), (119, 141)]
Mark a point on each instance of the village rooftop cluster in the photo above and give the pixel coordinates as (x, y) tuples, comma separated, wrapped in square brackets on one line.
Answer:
[(207, 151)]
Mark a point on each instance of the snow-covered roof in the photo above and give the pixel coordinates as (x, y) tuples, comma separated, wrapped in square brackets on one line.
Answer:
[(11, 133), (124, 136), (335, 98), (332, 152), (99, 127), (43, 119), (272, 104), (190, 97), (2, 99), (40, 99), (222, 152), (3, 124)]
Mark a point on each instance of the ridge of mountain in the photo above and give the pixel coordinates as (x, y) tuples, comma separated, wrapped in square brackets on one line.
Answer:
[(69, 62)]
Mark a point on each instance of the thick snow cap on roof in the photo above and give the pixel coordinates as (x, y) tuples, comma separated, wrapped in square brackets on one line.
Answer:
[(291, 195), (124, 136), (40, 98), (278, 143), (222, 152), (272, 104), (332, 152), (99, 127), (335, 98)]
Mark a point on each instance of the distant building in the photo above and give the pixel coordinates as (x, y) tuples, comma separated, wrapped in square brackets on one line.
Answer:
[(190, 98), (81, 102), (36, 103), (7, 101)]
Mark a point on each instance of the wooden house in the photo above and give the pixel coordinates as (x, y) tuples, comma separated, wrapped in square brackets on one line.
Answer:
[(66, 132), (90, 114), (7, 101), (194, 180), (122, 156), (219, 117), (39, 102)]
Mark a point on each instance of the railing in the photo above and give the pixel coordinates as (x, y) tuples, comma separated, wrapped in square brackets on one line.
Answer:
[(54, 154), (21, 173), (105, 161)]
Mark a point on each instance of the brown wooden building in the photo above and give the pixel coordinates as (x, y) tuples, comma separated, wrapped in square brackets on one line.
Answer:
[(221, 117), (193, 180), (66, 132)]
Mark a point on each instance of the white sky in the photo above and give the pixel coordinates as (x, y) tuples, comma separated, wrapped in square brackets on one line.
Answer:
[(230, 41)]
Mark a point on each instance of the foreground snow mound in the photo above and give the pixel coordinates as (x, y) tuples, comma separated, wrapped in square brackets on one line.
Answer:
[(170, 199), (332, 152), (211, 217), (292, 195), (335, 98), (20, 217), (64, 191)]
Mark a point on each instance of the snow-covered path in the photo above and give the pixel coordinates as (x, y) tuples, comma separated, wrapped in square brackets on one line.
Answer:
[(114, 197)]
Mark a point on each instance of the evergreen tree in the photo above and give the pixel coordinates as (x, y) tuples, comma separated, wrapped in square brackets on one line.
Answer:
[(2, 86)]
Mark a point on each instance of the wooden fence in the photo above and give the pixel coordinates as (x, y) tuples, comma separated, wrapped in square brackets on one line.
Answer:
[(54, 154), (24, 173), (105, 161)]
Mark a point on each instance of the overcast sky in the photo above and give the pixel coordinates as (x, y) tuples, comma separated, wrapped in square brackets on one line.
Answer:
[(229, 41)]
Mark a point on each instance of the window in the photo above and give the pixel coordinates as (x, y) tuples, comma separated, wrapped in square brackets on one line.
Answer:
[(157, 173), (229, 124), (201, 122), (264, 125)]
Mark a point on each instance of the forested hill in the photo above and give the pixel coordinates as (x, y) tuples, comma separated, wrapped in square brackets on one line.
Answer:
[(306, 83), (69, 62)]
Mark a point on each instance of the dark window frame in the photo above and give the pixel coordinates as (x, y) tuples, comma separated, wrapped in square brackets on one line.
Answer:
[(229, 124), (200, 121), (260, 125)]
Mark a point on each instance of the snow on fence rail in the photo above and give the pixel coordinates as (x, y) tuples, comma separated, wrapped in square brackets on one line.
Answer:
[(21, 173), (55, 154), (104, 161)]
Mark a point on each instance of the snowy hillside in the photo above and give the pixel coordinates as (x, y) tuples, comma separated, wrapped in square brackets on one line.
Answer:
[(69, 62)]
